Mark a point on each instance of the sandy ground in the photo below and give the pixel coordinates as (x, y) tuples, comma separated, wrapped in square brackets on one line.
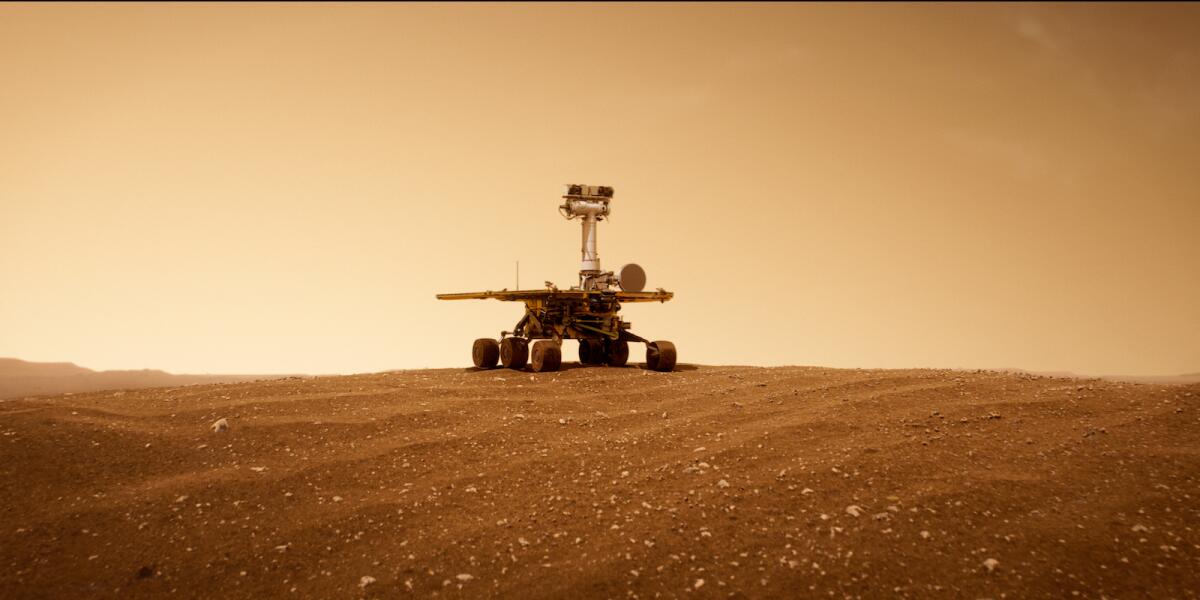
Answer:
[(603, 482)]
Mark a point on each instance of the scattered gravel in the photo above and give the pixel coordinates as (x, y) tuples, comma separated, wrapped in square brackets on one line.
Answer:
[(438, 479)]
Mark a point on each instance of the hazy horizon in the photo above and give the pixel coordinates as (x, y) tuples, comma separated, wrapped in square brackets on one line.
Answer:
[(277, 188), (951, 368)]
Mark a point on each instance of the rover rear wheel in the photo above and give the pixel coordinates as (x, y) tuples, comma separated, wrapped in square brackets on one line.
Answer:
[(514, 352), (617, 354), (660, 356), (546, 355), (485, 353)]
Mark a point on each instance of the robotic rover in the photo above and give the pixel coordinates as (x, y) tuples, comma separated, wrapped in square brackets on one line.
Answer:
[(587, 312)]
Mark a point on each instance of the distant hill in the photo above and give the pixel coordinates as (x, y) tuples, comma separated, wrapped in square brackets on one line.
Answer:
[(20, 378)]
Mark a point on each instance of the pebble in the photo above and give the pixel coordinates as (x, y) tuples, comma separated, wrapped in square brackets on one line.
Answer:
[(220, 426), (464, 577), (722, 484), (365, 581), (699, 584), (853, 510), (991, 564)]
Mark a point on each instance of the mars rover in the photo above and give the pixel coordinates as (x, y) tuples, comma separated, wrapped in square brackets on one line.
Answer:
[(587, 312)]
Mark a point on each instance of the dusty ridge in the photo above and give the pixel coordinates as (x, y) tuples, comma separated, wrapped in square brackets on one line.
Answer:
[(603, 482), (22, 378)]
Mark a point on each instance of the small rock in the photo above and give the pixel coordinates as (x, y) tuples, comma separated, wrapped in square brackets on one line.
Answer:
[(1139, 527), (806, 491), (699, 584), (722, 484), (365, 581), (464, 577), (337, 498), (991, 564), (853, 510), (221, 426), (924, 535)]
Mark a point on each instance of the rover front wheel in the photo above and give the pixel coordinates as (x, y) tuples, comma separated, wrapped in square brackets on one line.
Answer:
[(485, 353), (660, 356), (546, 356)]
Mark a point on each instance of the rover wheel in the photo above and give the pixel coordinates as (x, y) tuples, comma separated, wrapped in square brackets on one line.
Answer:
[(514, 352), (618, 353), (485, 353), (660, 356), (591, 352), (546, 356)]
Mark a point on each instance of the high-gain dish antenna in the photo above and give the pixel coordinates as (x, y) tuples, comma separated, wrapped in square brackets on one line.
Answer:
[(632, 278)]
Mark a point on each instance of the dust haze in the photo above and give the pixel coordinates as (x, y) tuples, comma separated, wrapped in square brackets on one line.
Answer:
[(932, 328), (280, 189)]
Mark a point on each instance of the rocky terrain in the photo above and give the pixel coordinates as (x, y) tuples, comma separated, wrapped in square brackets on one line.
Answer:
[(607, 482)]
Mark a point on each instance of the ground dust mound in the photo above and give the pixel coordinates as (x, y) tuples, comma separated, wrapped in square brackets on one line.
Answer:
[(598, 482)]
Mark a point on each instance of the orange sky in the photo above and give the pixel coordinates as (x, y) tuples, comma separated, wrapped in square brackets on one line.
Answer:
[(273, 188)]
